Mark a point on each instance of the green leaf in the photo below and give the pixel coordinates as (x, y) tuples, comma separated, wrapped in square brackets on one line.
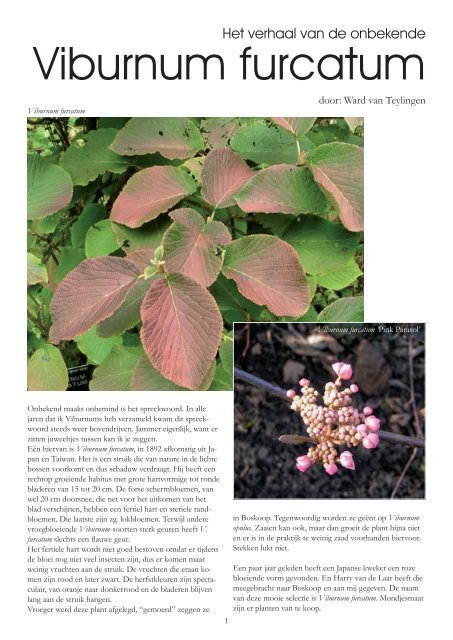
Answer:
[(36, 271), (265, 143), (226, 351), (228, 298), (112, 123), (46, 225), (276, 223), (281, 189), (69, 258), (342, 278), (91, 214), (148, 236), (96, 348), (223, 379), (115, 373), (100, 240), (47, 370), (310, 316), (84, 163), (146, 378), (49, 188), (343, 310), (323, 247)]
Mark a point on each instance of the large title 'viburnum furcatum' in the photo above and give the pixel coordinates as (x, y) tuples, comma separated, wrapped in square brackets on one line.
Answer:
[(335, 424)]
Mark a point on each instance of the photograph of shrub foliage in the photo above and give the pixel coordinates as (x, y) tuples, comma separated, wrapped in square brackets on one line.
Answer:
[(361, 436), (149, 237)]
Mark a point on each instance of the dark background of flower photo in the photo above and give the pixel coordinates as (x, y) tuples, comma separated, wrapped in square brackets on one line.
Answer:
[(389, 367)]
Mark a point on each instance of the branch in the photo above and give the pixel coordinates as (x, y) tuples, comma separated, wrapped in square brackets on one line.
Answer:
[(395, 438), (418, 429), (61, 133), (403, 473)]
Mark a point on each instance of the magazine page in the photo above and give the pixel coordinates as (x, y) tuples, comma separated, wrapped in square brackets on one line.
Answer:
[(235, 241)]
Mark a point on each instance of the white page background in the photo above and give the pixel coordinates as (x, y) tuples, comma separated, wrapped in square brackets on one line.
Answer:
[(408, 210)]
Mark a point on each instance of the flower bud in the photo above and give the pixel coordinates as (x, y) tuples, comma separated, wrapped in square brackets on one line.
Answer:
[(303, 463), (347, 461), (372, 423), (290, 393), (367, 411), (371, 441), (331, 469), (304, 382), (354, 388), (343, 370), (362, 430)]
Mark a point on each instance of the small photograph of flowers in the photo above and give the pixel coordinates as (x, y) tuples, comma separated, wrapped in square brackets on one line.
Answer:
[(328, 411)]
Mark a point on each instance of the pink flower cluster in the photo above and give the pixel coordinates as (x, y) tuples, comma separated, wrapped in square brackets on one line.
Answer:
[(335, 423)]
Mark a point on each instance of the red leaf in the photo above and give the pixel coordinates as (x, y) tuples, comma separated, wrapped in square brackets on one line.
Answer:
[(88, 294), (190, 245), (149, 193), (182, 329), (224, 173), (267, 271), (338, 168)]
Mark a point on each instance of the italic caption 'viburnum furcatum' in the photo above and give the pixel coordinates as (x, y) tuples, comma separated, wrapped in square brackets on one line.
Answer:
[(334, 424)]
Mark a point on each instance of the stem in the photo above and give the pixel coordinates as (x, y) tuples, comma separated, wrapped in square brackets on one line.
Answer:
[(403, 473), (61, 134), (35, 300), (38, 324), (202, 205), (298, 149), (418, 429), (395, 438)]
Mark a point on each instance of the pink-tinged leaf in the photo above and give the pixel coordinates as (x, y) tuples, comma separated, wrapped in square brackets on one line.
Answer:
[(338, 169), (219, 131), (224, 173), (182, 329), (190, 246), (89, 294), (149, 193), (353, 123), (141, 258), (267, 271), (146, 378), (281, 188), (128, 313), (173, 138), (297, 126)]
